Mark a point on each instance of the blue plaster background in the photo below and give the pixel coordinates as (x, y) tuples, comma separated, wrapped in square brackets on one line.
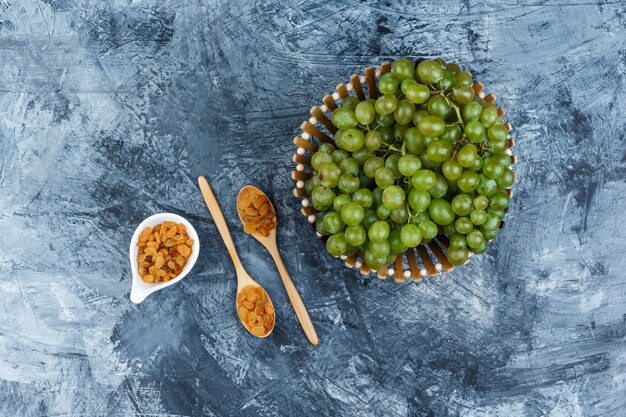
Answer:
[(110, 109)]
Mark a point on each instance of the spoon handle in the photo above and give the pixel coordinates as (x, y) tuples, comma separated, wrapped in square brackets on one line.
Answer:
[(218, 218), (296, 301)]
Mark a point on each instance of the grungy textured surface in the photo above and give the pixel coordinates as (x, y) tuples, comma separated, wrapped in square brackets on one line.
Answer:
[(108, 112)]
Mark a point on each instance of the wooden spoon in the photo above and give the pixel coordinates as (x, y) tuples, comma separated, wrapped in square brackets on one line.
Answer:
[(243, 279), (270, 244)]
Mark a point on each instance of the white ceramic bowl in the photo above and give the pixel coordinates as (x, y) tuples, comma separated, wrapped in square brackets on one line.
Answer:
[(139, 289)]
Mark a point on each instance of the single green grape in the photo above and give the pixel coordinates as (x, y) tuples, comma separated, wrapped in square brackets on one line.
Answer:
[(333, 222), (374, 262), (486, 186), (373, 140), (386, 104), (320, 158), (462, 204), (440, 188), (382, 212), (429, 71), (431, 126), (329, 175), (391, 162), (457, 241), (414, 141), (344, 118), (384, 177), (474, 130), (387, 134), (502, 158), (322, 198), (379, 249), (340, 201), (378, 231), (492, 168), (402, 69), (475, 239), (428, 228), (355, 235), (406, 84), (478, 217), (499, 201), (399, 215), (364, 180), (419, 115), (476, 165), (447, 81), (393, 197), (319, 226), (507, 179), (452, 133), (350, 102), (453, 67), (471, 111), (489, 234), (497, 132), (369, 218), (396, 245), (492, 222), (311, 184), (463, 94), (464, 78), (463, 225), (338, 156), (439, 151), (497, 147), (336, 244), (441, 211), (352, 214), (457, 256), (384, 120), (410, 235), (468, 181), (372, 164), (349, 166), (361, 155), (408, 165), (498, 212), (416, 93), (351, 140), (423, 179), (438, 106), (481, 202), (489, 116), (451, 169), (387, 83), (419, 200), (377, 193), (404, 112), (363, 197), (480, 249), (467, 155), (364, 112)]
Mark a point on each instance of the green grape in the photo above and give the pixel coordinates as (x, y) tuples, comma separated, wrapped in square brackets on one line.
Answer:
[(374, 262), (326, 148), (489, 116), (492, 222), (363, 197), (344, 118), (464, 78), (428, 228), (463, 225), (392, 163), (430, 164), (396, 245), (384, 177), (423, 179), (320, 158), (379, 249), (408, 165), (311, 184), (336, 244), (431, 126), (364, 112), (452, 133), (414, 141), (385, 120), (355, 235), (440, 188), (361, 155), (429, 71), (474, 131), (329, 175), (410, 235), (416, 93), (486, 186), (478, 217), (498, 147), (447, 81), (319, 226), (338, 156), (352, 214), (351, 140), (406, 84), (382, 212), (499, 201), (456, 242), (349, 166), (480, 249), (377, 193), (369, 218), (350, 102), (497, 132), (438, 106), (475, 239), (453, 67), (439, 151), (506, 180), (364, 180), (372, 164), (466, 155), (387, 134), (402, 69), (489, 234), (498, 212), (472, 111), (340, 201), (348, 183), (478, 163), (440, 211), (502, 158), (463, 94), (386, 104), (492, 168), (373, 140), (322, 198), (333, 222), (457, 256), (393, 197), (468, 181), (419, 200), (387, 84), (481, 202), (462, 204), (449, 230), (404, 112), (351, 250), (451, 169), (419, 115), (439, 61), (399, 215), (378, 231)]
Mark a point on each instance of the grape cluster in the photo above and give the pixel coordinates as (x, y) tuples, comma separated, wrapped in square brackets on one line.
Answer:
[(426, 157)]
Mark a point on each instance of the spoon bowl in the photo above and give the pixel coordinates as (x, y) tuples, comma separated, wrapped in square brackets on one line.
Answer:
[(140, 290)]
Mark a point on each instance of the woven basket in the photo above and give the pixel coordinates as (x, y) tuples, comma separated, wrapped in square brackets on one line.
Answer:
[(415, 263)]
